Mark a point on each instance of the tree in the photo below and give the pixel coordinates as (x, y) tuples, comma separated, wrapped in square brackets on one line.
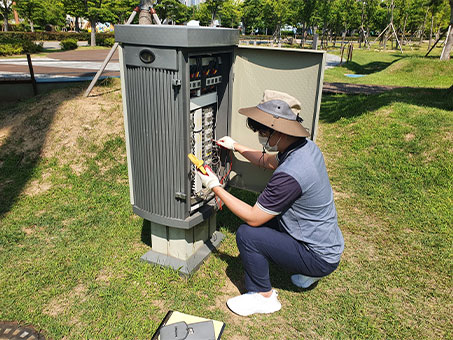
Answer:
[(230, 13), (203, 14), (252, 15), (304, 14), (276, 13), (449, 43), (31, 10), (214, 6), (5, 10), (96, 11), (173, 11), (75, 9), (122, 9)]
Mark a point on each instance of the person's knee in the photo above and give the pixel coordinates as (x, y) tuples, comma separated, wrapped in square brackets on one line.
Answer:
[(243, 234)]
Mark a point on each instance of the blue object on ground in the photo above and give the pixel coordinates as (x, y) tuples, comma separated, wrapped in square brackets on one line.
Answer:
[(355, 75)]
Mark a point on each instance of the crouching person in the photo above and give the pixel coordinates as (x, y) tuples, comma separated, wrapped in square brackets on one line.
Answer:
[(294, 221)]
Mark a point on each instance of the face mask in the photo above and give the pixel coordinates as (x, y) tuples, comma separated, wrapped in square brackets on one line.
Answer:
[(264, 142)]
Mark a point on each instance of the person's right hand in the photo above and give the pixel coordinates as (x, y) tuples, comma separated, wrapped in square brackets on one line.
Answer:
[(226, 142)]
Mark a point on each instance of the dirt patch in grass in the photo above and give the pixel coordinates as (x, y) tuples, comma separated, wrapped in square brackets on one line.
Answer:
[(104, 276), (62, 303), (63, 125), (38, 186), (409, 137), (80, 123)]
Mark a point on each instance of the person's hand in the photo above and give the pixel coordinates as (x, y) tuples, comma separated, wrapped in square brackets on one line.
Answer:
[(209, 180), (226, 142)]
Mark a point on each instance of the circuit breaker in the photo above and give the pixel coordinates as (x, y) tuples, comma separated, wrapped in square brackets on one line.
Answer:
[(205, 76), (182, 87)]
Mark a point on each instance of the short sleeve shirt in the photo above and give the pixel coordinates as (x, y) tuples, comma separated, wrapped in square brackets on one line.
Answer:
[(282, 189)]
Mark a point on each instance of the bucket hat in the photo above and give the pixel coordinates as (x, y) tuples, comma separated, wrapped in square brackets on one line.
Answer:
[(279, 111)]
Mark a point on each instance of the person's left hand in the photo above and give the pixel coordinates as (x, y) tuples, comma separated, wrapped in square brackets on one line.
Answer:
[(209, 180)]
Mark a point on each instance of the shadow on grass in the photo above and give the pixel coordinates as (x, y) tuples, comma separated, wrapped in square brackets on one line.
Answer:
[(280, 277), (335, 107), (25, 126), (373, 67)]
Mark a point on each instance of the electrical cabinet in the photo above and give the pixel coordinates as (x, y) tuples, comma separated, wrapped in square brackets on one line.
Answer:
[(182, 87)]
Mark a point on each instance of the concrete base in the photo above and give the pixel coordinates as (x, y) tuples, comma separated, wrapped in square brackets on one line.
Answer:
[(192, 263)]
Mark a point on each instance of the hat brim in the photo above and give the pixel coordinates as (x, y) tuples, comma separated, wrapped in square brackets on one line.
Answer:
[(289, 127)]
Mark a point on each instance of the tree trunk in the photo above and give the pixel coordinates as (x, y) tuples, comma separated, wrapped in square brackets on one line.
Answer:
[(431, 32), (449, 42), (361, 36), (77, 28), (422, 32), (403, 37), (5, 21), (343, 37), (385, 39), (322, 39), (32, 27), (302, 38), (93, 31), (314, 44)]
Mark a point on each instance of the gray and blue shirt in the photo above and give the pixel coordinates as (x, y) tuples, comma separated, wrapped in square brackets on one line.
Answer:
[(300, 195)]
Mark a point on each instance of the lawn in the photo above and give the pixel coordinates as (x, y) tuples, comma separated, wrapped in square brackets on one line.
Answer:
[(70, 244), (393, 68)]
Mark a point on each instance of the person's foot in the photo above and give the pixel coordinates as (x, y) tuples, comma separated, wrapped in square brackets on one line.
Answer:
[(305, 282), (251, 303)]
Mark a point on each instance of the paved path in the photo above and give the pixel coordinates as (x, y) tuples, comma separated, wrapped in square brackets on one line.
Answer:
[(83, 65), (76, 63), (66, 65), (346, 88), (332, 60)]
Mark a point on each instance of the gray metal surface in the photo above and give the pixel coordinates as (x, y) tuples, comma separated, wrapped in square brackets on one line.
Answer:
[(126, 126), (165, 58), (188, 266), (176, 36), (156, 136), (199, 216)]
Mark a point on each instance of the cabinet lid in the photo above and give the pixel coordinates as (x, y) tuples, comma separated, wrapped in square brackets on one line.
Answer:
[(176, 36)]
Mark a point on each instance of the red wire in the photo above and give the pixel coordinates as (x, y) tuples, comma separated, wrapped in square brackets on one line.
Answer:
[(219, 202)]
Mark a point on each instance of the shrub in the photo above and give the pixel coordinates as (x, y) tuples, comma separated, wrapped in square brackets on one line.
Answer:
[(12, 44), (45, 35), (109, 42), (9, 49), (68, 44), (30, 47), (104, 39)]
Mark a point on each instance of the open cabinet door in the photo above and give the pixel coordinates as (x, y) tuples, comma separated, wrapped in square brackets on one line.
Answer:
[(296, 72)]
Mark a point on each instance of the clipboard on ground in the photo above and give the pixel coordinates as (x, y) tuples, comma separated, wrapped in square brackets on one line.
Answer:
[(174, 317)]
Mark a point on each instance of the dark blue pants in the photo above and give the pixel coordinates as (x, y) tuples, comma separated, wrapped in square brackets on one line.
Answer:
[(258, 245)]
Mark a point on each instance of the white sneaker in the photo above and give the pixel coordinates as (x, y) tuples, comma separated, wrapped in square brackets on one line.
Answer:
[(303, 281), (251, 303)]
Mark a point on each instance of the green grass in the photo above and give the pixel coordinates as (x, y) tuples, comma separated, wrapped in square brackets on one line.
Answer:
[(393, 68), (70, 252)]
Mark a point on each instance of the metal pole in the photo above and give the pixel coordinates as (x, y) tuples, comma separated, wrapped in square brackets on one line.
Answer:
[(32, 75), (445, 44), (396, 37), (380, 34), (109, 56)]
